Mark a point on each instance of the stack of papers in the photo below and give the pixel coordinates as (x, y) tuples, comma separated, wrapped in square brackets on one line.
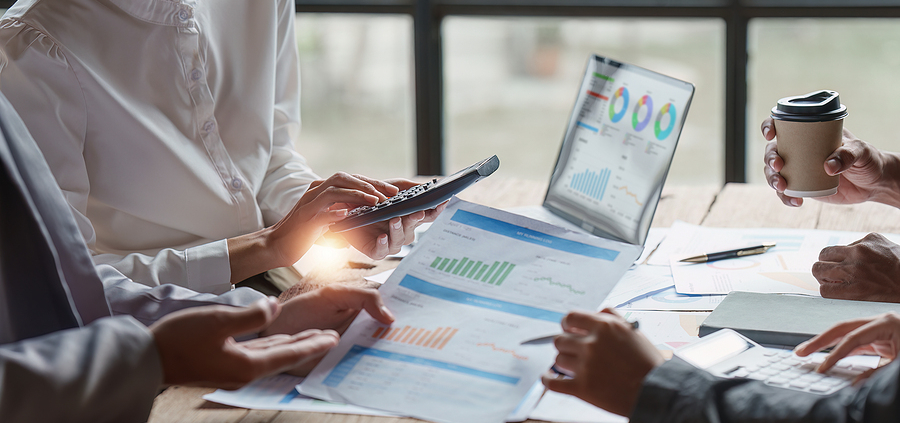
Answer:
[(482, 280)]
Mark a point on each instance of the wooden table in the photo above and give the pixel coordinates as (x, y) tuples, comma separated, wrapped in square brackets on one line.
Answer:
[(735, 205)]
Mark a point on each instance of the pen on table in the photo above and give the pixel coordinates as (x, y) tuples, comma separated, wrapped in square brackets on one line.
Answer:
[(740, 252), (549, 338)]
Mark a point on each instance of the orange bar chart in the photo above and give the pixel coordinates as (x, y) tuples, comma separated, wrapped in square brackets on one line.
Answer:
[(437, 338)]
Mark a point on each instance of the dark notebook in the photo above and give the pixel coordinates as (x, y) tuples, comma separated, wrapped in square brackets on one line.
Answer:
[(786, 320)]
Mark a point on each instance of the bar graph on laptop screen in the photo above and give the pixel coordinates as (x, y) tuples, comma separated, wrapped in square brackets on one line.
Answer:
[(618, 147)]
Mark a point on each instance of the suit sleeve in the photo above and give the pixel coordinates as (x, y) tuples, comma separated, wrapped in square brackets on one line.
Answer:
[(108, 371), (679, 392), (149, 304)]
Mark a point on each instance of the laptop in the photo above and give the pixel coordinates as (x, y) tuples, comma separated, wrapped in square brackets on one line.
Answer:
[(616, 151)]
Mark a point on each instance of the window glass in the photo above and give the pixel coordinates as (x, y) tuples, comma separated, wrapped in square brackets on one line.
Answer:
[(510, 85), (357, 94)]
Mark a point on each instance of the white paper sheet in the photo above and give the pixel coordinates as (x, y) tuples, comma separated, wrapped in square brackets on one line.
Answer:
[(669, 300), (786, 268), (280, 393), (479, 282), (639, 282)]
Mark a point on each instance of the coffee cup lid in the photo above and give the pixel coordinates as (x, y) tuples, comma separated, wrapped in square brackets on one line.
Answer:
[(818, 106)]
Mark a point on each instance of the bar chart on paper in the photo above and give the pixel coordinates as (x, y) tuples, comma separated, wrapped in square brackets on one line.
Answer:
[(494, 273), (437, 338)]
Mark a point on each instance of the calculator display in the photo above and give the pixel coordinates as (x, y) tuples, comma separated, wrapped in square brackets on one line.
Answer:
[(713, 350)]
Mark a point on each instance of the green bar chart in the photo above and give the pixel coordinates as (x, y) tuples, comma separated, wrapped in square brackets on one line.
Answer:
[(490, 272)]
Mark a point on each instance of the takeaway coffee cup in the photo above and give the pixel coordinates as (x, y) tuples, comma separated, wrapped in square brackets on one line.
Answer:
[(808, 128)]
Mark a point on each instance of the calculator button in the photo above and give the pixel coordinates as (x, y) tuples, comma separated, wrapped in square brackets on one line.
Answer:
[(780, 366), (812, 377), (768, 372), (769, 353), (757, 376), (819, 388), (791, 361), (785, 354), (832, 381), (800, 384), (751, 368), (777, 380), (775, 359)]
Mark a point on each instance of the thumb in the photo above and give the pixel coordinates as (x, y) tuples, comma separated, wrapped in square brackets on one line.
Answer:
[(234, 321), (843, 158)]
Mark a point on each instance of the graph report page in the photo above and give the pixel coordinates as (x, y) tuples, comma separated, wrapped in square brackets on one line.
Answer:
[(479, 282)]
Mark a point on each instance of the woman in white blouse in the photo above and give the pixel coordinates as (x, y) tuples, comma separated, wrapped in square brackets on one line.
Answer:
[(170, 125)]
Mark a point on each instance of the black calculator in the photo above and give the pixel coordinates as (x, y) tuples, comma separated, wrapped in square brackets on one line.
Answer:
[(420, 197)]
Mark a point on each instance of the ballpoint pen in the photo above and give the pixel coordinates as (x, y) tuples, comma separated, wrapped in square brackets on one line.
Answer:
[(549, 338), (740, 252)]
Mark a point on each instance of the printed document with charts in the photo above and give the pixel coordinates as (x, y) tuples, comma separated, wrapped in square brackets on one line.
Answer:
[(479, 282)]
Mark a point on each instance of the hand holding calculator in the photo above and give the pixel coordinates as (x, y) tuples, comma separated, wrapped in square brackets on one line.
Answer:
[(420, 197)]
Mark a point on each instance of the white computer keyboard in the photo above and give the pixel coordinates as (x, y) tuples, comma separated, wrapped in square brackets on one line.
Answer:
[(728, 354)]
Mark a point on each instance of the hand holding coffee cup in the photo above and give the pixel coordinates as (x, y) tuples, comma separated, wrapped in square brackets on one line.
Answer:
[(866, 173), (809, 129)]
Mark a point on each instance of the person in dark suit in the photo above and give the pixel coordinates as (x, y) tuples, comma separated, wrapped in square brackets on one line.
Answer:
[(616, 368)]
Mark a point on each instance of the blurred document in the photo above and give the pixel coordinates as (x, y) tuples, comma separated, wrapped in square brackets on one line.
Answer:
[(479, 282), (280, 393)]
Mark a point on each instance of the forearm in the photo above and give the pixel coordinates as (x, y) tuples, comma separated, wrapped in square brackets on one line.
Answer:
[(252, 254), (889, 190), (107, 371)]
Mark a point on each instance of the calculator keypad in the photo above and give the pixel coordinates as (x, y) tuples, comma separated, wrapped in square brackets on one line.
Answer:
[(784, 369), (402, 195)]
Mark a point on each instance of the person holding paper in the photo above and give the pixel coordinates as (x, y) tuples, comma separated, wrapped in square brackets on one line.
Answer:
[(868, 269), (170, 126), (616, 368), (73, 351)]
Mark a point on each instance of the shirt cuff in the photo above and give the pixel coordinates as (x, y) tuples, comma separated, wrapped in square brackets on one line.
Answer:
[(208, 267)]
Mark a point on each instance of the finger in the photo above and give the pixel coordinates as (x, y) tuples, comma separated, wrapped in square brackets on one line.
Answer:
[(830, 337), (768, 128), (402, 183), (568, 343), (835, 254), (863, 335), (771, 158), (388, 188), (788, 200), (285, 356), (234, 321), (346, 297), (843, 158), (335, 195), (579, 320), (609, 310), (828, 272), (558, 384), (396, 236), (268, 341), (567, 363), (343, 180), (380, 250)]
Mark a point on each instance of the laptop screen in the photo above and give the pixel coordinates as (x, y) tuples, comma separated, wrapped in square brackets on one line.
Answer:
[(617, 149)]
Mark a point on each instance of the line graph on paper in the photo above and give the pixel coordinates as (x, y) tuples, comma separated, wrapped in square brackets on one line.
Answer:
[(551, 282), (502, 350)]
